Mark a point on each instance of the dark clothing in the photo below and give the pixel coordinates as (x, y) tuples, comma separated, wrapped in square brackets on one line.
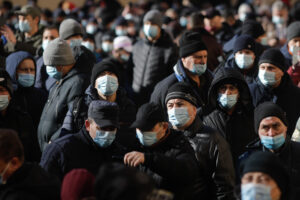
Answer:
[(126, 118), (172, 165), (288, 57), (161, 89), (60, 100), (214, 49), (214, 159), (294, 72), (224, 34), (153, 61), (21, 122), (286, 95), (30, 182), (240, 121), (77, 151), (289, 155), (42, 79)]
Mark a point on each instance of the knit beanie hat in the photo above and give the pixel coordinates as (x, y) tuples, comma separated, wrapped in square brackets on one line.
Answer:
[(58, 53), (77, 184), (293, 30), (5, 81), (181, 90), (69, 28), (244, 42), (268, 109), (154, 16), (104, 65), (189, 43), (252, 28), (267, 163), (273, 56)]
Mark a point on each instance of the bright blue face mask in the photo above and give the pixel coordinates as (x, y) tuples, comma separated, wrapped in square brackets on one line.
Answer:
[(150, 31), (107, 47), (107, 85), (121, 32), (104, 138), (227, 101), (75, 43), (267, 78), (26, 80), (52, 72), (88, 45), (272, 142), (178, 116), (4, 101), (199, 69), (244, 61), (24, 26), (252, 191), (146, 138)]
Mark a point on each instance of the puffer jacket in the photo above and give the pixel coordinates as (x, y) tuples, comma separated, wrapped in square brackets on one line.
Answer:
[(214, 159), (286, 95), (60, 100), (152, 63), (240, 121)]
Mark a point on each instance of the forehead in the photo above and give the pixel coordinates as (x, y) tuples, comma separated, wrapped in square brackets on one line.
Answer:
[(267, 65), (227, 85), (51, 32), (256, 174), (25, 17), (26, 63), (270, 120), (177, 101)]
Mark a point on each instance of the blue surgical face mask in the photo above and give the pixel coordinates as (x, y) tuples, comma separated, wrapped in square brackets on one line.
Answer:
[(4, 101), (272, 142), (150, 31), (104, 138), (278, 20), (227, 101), (91, 29), (75, 43), (45, 43), (121, 32), (244, 61), (107, 85), (26, 80), (253, 191), (178, 116), (125, 57), (183, 21), (107, 47), (146, 138), (264, 41), (199, 69), (2, 182), (24, 26), (88, 45), (291, 49), (52, 72), (267, 78), (84, 23)]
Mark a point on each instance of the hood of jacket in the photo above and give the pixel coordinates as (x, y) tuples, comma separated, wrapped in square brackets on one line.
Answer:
[(225, 74), (85, 59), (12, 63)]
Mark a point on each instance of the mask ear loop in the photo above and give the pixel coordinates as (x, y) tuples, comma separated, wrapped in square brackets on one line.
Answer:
[(4, 171)]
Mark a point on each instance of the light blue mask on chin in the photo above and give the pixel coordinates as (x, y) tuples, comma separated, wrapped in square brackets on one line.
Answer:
[(199, 69)]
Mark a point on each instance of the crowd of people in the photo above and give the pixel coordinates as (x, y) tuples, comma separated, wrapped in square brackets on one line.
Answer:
[(150, 100)]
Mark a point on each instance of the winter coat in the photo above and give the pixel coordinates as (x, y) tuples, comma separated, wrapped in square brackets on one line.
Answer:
[(43, 80), (30, 99), (172, 165), (73, 124), (214, 159), (30, 182), (240, 121), (78, 151), (288, 57), (294, 72), (224, 34), (21, 122), (289, 155), (152, 63), (286, 95), (161, 89), (60, 100)]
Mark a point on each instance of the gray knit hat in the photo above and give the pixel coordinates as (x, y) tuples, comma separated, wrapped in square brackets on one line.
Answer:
[(154, 16), (293, 30), (68, 28), (58, 53)]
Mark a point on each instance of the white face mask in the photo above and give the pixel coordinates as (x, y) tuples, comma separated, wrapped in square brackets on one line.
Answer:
[(267, 78), (4, 101), (252, 191), (244, 61)]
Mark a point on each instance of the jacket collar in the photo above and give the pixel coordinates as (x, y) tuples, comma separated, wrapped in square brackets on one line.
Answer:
[(194, 128)]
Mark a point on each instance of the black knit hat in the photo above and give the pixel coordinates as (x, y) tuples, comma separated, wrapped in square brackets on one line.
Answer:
[(244, 42), (273, 56), (104, 65), (5, 81), (270, 164), (181, 90), (189, 43), (252, 28), (268, 109), (293, 30)]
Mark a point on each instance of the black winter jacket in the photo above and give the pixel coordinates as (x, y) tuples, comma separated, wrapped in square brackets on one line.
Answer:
[(78, 151), (237, 128), (152, 63), (214, 158), (286, 95), (31, 182)]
